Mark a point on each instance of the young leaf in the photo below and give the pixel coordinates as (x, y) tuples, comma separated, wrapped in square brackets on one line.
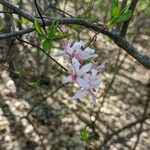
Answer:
[(114, 3), (116, 12), (47, 45), (24, 21), (84, 135), (36, 84), (124, 17), (38, 28), (52, 30), (125, 9), (60, 37)]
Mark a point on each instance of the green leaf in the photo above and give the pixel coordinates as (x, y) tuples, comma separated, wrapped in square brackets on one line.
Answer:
[(125, 9), (116, 12), (87, 61), (84, 135), (124, 17), (114, 3), (36, 84), (47, 45), (60, 37), (24, 21), (52, 30), (38, 28), (88, 16)]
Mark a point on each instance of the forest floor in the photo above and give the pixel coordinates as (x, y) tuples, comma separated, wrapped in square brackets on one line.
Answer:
[(37, 112), (44, 116)]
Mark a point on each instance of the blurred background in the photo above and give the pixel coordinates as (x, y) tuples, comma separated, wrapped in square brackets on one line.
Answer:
[(36, 109)]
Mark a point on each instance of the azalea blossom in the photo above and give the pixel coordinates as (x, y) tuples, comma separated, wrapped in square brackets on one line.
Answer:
[(91, 82), (75, 50), (76, 71), (86, 74), (85, 54), (71, 48)]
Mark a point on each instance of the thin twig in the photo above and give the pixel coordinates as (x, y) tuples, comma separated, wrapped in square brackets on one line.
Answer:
[(44, 99), (53, 7), (43, 52), (91, 40), (11, 44), (117, 38), (37, 8)]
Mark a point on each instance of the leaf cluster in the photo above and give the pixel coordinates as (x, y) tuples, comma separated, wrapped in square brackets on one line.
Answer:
[(85, 135), (117, 15), (51, 34)]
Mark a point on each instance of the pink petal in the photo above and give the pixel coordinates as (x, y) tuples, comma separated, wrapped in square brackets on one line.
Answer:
[(101, 68), (69, 44), (78, 55)]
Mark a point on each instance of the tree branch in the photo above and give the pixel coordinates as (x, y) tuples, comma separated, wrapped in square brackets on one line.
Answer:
[(15, 33), (118, 39)]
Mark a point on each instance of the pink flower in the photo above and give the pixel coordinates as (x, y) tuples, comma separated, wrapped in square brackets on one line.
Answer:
[(91, 82), (87, 75), (85, 54), (101, 68), (75, 50), (77, 71), (71, 48)]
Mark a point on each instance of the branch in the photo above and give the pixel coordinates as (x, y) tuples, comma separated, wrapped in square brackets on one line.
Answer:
[(124, 128), (17, 10), (118, 39), (15, 33)]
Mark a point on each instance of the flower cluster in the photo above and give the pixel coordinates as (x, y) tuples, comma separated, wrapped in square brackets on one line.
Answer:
[(82, 69)]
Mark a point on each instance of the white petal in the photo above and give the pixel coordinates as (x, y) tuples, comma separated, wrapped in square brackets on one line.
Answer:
[(82, 83), (75, 64), (67, 79), (94, 73), (88, 53), (78, 45), (85, 69), (96, 83), (70, 68), (79, 94)]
